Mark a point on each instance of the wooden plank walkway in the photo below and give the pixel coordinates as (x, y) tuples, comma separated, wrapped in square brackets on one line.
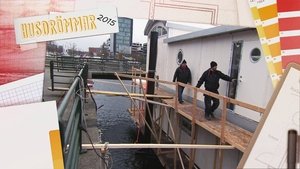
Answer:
[(234, 135)]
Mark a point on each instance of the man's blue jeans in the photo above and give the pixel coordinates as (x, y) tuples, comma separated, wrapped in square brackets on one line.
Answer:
[(180, 91)]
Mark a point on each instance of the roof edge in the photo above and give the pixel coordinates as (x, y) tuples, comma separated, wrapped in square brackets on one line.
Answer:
[(206, 33)]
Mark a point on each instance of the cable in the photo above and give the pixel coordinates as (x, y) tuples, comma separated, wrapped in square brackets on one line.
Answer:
[(93, 99), (89, 137), (90, 92), (107, 155)]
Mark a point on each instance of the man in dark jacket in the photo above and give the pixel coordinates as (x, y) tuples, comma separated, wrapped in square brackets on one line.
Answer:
[(211, 78), (183, 75)]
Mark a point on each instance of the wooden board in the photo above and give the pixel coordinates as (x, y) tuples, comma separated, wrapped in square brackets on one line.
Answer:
[(282, 114), (234, 135), (115, 93)]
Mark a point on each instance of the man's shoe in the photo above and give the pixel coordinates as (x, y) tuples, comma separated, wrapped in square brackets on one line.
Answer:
[(181, 101), (212, 116), (207, 118)]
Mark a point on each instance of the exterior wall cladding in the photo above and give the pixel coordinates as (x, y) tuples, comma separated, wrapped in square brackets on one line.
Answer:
[(199, 52)]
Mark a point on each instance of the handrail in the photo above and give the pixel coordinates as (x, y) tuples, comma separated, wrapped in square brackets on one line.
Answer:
[(225, 100), (234, 101), (230, 100), (71, 131)]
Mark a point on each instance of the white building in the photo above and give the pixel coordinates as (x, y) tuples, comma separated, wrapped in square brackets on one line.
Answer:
[(237, 51)]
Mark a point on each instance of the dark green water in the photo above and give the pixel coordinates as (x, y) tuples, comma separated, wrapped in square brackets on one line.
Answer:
[(118, 127)]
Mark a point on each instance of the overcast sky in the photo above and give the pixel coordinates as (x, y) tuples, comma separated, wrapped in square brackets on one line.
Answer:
[(96, 41)]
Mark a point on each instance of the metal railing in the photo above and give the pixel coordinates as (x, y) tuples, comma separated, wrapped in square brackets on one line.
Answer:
[(71, 127), (95, 64), (63, 73)]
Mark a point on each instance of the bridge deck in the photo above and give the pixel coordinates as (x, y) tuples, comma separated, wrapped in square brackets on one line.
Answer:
[(234, 135)]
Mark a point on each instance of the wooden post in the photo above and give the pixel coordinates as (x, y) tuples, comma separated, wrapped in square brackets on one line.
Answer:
[(216, 154), (224, 118), (160, 126), (102, 160), (193, 132), (176, 98), (177, 129), (131, 90), (223, 130)]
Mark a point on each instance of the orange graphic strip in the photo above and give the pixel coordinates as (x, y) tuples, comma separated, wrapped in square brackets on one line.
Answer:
[(271, 31), (275, 49), (268, 12), (56, 149), (265, 47)]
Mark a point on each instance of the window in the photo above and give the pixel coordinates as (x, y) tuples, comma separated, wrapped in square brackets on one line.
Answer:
[(255, 55), (161, 30), (179, 57)]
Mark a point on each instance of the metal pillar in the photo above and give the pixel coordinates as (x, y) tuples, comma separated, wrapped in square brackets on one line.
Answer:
[(150, 84)]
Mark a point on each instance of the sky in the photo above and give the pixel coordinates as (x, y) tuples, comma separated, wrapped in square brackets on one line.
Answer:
[(96, 41)]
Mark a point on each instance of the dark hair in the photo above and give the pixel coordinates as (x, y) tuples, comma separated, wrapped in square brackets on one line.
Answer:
[(183, 62), (213, 64)]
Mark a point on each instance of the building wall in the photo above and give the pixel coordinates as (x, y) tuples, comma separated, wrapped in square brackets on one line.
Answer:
[(199, 53)]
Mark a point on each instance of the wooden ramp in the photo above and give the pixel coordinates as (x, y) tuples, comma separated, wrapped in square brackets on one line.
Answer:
[(234, 135)]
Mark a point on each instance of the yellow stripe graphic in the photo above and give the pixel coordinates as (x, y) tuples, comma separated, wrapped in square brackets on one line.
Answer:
[(266, 50), (56, 149)]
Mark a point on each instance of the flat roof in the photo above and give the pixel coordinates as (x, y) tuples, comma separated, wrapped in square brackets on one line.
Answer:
[(206, 33)]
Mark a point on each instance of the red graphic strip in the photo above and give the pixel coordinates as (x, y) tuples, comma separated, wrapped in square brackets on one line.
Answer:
[(290, 42), (288, 5), (287, 24), (290, 59)]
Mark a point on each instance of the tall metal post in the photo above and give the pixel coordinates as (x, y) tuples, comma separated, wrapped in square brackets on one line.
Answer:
[(150, 84), (51, 75), (292, 149)]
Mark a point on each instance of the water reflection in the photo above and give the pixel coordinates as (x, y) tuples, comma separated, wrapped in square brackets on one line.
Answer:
[(118, 127)]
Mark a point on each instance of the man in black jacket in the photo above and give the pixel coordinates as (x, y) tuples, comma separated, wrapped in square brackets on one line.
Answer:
[(183, 75), (211, 78)]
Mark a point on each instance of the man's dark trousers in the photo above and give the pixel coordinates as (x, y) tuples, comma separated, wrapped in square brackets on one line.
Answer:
[(210, 108)]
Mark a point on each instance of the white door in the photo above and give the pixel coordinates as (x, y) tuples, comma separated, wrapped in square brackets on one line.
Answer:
[(254, 83)]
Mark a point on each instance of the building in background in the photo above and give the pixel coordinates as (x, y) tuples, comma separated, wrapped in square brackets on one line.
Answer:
[(94, 51), (136, 48), (144, 49), (121, 42)]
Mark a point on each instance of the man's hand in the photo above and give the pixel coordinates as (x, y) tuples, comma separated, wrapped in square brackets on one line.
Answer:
[(234, 80)]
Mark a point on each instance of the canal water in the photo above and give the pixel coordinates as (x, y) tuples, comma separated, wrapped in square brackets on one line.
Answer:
[(117, 127)]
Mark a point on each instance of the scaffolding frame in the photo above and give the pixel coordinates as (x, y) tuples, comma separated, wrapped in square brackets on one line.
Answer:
[(175, 127)]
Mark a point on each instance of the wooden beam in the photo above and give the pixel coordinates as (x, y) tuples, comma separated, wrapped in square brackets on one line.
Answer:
[(230, 100), (146, 78), (150, 101), (162, 146), (247, 105), (194, 130), (115, 93)]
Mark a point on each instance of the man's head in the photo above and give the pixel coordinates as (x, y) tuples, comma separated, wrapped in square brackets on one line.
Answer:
[(213, 65), (183, 63)]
